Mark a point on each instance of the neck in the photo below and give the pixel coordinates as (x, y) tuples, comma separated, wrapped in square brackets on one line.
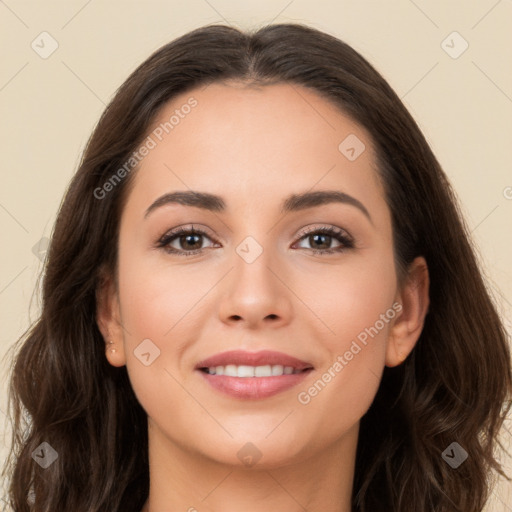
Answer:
[(181, 479)]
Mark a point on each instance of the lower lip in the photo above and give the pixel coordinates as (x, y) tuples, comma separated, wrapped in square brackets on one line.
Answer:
[(254, 388)]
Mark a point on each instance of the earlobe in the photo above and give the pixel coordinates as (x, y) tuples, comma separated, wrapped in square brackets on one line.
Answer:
[(109, 321), (407, 327)]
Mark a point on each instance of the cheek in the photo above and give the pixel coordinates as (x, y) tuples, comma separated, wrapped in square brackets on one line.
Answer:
[(351, 297), (344, 387), (155, 296), (357, 304), (156, 305), (152, 302)]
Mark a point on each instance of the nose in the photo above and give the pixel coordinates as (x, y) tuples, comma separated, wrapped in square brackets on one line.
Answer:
[(256, 294)]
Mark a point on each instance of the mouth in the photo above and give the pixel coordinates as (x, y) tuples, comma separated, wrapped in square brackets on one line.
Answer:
[(245, 371), (253, 375)]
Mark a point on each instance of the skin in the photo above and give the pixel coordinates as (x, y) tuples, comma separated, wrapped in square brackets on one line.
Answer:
[(254, 147)]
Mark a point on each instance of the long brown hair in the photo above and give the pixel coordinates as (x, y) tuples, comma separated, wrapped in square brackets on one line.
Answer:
[(454, 387)]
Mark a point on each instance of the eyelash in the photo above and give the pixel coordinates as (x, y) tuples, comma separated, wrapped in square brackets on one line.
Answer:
[(340, 235)]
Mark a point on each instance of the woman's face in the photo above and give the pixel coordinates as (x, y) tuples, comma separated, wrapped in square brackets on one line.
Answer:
[(247, 277)]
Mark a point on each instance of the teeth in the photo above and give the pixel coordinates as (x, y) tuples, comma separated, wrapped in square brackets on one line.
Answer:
[(232, 370), (243, 371), (279, 369)]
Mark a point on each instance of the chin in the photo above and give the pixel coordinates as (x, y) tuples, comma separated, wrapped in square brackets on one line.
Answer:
[(257, 453)]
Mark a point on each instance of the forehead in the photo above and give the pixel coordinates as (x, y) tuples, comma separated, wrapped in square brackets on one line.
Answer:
[(256, 142)]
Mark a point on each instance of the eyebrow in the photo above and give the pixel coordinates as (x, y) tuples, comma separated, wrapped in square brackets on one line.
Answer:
[(293, 203)]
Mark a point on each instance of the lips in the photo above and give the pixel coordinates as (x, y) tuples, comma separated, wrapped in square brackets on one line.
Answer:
[(262, 358), (279, 372)]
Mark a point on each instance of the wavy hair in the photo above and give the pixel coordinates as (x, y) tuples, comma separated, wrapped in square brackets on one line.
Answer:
[(455, 386)]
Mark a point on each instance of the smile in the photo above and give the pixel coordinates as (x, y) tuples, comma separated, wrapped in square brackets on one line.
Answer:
[(253, 375), (243, 371)]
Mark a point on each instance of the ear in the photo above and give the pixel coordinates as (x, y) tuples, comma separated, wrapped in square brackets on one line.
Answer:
[(108, 318), (407, 327)]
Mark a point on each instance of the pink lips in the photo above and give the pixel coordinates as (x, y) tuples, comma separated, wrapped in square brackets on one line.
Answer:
[(254, 387), (262, 358)]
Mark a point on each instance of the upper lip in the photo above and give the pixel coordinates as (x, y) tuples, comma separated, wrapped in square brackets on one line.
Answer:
[(261, 358)]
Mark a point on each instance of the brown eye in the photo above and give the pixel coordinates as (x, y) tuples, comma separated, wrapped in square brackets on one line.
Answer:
[(320, 240), (191, 241), (183, 241)]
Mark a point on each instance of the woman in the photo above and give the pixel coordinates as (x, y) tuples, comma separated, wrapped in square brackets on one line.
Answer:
[(260, 295)]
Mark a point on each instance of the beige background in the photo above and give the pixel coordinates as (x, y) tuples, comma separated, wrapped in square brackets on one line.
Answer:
[(49, 106)]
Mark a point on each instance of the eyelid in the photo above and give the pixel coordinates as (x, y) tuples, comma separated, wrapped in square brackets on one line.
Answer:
[(329, 228), (196, 228)]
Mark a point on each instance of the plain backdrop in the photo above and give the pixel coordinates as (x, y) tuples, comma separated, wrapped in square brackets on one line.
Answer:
[(61, 62)]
